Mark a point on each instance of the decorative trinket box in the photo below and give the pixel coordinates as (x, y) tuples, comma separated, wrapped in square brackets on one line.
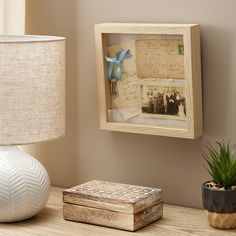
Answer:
[(115, 205)]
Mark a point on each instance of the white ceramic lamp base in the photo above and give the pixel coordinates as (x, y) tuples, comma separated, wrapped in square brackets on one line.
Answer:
[(24, 185)]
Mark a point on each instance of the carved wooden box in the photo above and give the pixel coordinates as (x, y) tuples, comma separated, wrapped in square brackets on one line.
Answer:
[(115, 205)]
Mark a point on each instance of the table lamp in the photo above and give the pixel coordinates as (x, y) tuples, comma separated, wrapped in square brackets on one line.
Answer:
[(32, 110)]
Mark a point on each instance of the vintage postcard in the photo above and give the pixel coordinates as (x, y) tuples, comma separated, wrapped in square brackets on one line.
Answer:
[(163, 101), (160, 58)]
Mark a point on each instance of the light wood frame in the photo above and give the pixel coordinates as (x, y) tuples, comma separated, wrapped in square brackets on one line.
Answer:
[(192, 65)]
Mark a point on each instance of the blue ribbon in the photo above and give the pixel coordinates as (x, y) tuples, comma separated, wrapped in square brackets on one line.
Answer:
[(115, 61)]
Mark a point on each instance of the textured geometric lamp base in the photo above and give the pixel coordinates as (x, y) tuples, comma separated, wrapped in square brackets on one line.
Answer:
[(24, 185)]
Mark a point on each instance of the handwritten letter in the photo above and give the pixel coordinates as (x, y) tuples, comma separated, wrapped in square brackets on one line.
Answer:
[(128, 90), (128, 101), (129, 93)]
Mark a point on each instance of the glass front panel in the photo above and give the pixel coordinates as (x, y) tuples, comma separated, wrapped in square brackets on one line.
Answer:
[(147, 80)]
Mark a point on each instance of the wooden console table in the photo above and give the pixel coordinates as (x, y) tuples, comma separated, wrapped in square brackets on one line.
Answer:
[(180, 221)]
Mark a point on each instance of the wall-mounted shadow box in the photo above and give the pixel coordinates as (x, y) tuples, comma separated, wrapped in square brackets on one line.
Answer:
[(149, 78)]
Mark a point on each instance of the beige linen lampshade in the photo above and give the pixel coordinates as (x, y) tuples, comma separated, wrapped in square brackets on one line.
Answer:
[(32, 89)]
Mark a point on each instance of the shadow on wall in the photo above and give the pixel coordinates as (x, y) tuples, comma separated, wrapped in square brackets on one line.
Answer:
[(216, 50)]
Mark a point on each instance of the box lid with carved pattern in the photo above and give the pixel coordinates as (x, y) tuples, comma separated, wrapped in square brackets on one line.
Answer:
[(114, 205)]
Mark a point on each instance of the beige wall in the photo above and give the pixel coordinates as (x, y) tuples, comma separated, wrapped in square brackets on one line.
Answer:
[(169, 163), (12, 16)]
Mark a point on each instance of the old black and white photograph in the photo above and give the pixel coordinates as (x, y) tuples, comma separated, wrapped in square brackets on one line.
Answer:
[(163, 101)]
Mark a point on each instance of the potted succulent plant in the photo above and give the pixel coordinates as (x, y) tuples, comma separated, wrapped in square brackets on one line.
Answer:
[(219, 194)]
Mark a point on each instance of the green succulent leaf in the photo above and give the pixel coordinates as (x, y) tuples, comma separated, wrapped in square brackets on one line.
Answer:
[(221, 164)]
